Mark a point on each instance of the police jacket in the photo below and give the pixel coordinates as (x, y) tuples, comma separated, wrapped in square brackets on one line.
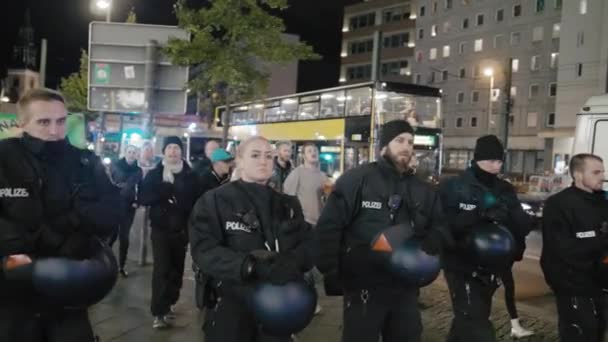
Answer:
[(574, 238), (358, 210), (237, 218), (54, 200), (462, 198), (170, 203), (128, 178)]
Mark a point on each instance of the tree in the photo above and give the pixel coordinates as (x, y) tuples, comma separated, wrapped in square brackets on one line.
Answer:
[(235, 41), (74, 89)]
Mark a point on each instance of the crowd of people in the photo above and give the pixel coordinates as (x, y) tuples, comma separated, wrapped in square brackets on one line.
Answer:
[(253, 218)]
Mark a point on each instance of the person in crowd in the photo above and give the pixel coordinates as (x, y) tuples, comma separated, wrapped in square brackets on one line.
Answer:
[(517, 330), (127, 175), (366, 201), (245, 233), (282, 165), (573, 258), (55, 201), (201, 166), (466, 204), (170, 189)]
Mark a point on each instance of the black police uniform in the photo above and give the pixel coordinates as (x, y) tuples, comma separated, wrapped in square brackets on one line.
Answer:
[(471, 286), (55, 200), (229, 225), (128, 177), (575, 237), (375, 302), (170, 206)]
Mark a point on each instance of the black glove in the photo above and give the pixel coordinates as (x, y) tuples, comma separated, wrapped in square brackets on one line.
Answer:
[(497, 213), (77, 246), (432, 244), (257, 264), (333, 284), (283, 270)]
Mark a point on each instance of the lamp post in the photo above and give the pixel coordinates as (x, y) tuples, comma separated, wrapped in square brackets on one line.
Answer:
[(489, 72), (105, 5)]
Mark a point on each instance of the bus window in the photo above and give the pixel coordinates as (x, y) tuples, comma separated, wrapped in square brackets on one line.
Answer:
[(600, 140), (308, 111), (332, 104), (289, 109), (358, 101)]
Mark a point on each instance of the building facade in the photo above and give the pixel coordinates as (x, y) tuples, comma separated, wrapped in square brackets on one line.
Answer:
[(464, 47), (396, 20)]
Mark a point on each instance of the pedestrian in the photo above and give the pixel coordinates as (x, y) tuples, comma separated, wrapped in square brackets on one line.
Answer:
[(245, 233), (170, 190), (575, 240), (517, 331), (282, 165), (127, 175), (471, 285), (367, 200), (201, 166), (218, 174), (56, 201)]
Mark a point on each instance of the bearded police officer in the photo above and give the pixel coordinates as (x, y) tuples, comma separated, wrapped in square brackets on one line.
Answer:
[(367, 200), (471, 201), (575, 240)]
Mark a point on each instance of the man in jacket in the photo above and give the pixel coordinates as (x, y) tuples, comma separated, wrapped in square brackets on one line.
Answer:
[(55, 201), (127, 175), (282, 165), (367, 200), (471, 285), (575, 241)]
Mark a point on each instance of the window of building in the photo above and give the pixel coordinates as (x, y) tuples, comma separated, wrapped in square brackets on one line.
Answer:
[(446, 27), (500, 15), (499, 41), (397, 40), (396, 68), (513, 91), (433, 54), (476, 71), (466, 2), (583, 6), (515, 65), (443, 123), (434, 31), (432, 77), (580, 39), (418, 79), (419, 56), (534, 90), (446, 51), (474, 121), (556, 30), (360, 47), (361, 72), (540, 5), (465, 23), (579, 70), (422, 11), (474, 96), (554, 60), (535, 63), (420, 33), (515, 38), (458, 122), (449, 4), (479, 19), (537, 34), (435, 7), (396, 14), (532, 119), (517, 11), (463, 73), (361, 21), (461, 47), (552, 89), (460, 97), (444, 75), (550, 119), (557, 4), (478, 45)]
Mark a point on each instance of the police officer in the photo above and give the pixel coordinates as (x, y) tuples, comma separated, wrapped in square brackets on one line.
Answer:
[(56, 201), (575, 239), (472, 286), (367, 200), (245, 232)]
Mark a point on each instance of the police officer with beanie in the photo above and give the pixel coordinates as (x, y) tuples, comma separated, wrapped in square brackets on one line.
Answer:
[(366, 201), (170, 189), (243, 234), (467, 206), (55, 201), (574, 256)]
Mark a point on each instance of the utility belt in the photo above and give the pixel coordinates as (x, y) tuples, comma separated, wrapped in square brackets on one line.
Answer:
[(486, 278), (207, 290)]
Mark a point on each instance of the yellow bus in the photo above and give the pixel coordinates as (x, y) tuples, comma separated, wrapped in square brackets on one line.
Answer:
[(343, 121)]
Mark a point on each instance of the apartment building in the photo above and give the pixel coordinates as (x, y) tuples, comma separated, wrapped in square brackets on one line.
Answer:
[(464, 48), (396, 20)]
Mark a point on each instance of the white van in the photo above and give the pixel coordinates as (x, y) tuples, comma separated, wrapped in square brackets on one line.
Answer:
[(592, 129)]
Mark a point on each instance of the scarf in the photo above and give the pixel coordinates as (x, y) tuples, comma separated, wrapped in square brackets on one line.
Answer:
[(170, 170)]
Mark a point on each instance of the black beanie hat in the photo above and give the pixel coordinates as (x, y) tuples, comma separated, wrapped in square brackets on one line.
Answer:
[(392, 129), (173, 140), (488, 147)]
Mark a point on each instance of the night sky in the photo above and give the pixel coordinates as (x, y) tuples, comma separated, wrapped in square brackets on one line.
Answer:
[(65, 24)]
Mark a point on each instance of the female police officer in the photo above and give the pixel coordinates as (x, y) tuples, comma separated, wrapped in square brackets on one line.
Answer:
[(244, 232)]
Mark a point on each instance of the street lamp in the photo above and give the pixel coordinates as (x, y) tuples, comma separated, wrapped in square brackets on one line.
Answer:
[(105, 5), (489, 72)]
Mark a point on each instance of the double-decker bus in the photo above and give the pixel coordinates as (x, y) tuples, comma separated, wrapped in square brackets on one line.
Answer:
[(343, 122)]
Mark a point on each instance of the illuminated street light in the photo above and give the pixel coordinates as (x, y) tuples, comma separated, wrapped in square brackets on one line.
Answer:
[(488, 72), (103, 4)]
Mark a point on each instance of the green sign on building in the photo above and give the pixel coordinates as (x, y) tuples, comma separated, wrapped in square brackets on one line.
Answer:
[(101, 73)]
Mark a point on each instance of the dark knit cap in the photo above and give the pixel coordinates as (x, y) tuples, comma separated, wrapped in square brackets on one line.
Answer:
[(488, 147), (173, 140), (392, 129)]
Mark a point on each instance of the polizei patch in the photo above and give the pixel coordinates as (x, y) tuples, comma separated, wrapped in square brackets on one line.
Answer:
[(371, 205), (14, 193), (237, 226)]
